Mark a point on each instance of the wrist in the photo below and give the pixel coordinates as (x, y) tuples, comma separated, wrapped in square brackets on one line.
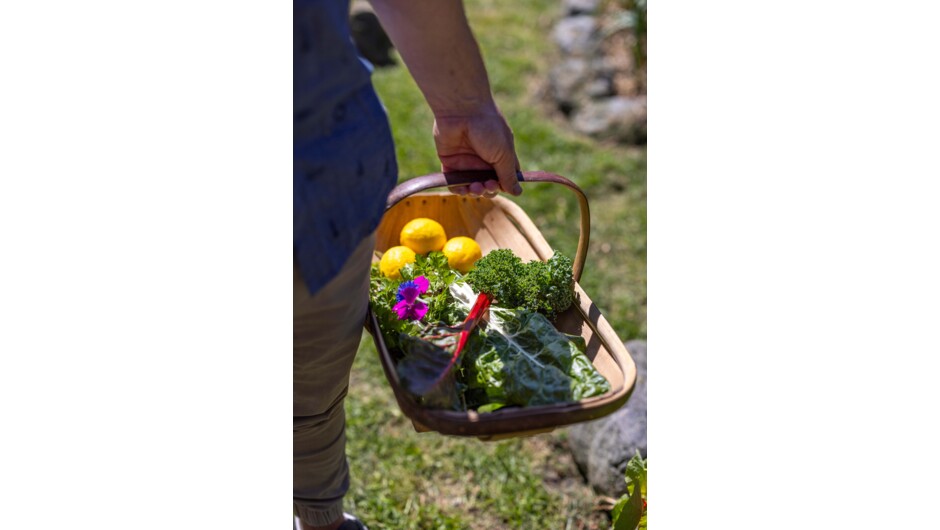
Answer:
[(456, 107)]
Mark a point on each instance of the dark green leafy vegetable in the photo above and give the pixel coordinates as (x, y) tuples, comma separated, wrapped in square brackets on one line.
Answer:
[(519, 358), (424, 358), (630, 511), (545, 287), (426, 368)]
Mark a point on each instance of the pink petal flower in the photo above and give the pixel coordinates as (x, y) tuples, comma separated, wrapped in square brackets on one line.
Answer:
[(408, 293), (418, 310), (402, 309), (422, 284)]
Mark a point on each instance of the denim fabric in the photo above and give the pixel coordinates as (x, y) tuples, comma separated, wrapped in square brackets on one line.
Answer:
[(344, 158)]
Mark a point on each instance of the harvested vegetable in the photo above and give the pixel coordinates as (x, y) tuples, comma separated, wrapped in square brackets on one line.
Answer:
[(384, 295), (519, 358), (449, 356), (426, 370), (547, 288)]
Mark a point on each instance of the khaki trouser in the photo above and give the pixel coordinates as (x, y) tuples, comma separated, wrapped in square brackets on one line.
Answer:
[(327, 330)]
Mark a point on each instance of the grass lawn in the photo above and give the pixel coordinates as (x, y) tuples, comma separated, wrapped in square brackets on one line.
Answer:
[(401, 479)]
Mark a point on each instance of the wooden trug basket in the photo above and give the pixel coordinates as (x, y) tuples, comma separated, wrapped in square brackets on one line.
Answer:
[(500, 223)]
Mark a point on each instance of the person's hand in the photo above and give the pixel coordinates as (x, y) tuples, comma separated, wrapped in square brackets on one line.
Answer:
[(479, 142)]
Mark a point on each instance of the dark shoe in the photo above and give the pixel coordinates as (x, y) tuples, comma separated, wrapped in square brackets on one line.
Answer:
[(351, 523)]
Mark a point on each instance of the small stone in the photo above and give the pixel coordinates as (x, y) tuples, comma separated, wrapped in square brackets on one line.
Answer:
[(619, 118), (580, 7), (577, 35), (566, 80), (600, 87)]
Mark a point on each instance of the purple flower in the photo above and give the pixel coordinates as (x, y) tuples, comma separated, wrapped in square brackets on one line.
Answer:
[(408, 306)]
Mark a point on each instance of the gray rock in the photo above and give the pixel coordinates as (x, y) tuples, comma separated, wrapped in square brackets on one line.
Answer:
[(599, 87), (581, 7), (603, 447), (619, 118), (577, 35), (566, 80)]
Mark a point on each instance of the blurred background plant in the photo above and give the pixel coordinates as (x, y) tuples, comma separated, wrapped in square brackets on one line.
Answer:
[(404, 480), (629, 17)]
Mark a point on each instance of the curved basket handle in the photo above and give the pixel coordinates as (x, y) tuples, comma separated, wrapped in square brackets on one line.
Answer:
[(463, 178)]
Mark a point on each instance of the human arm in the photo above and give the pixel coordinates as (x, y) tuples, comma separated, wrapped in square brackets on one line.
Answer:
[(436, 43)]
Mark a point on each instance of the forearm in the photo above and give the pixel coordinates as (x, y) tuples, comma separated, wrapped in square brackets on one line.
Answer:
[(435, 41)]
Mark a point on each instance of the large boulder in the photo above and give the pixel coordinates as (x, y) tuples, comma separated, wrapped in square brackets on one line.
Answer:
[(603, 447)]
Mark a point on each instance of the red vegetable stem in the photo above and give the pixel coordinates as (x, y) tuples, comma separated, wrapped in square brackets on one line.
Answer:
[(480, 306), (476, 313)]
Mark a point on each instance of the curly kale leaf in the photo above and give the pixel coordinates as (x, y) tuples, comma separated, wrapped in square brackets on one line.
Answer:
[(544, 287), (559, 294), (491, 275)]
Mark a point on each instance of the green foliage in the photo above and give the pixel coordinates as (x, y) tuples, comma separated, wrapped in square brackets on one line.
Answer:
[(521, 359), (492, 274), (404, 480), (516, 358), (425, 358), (441, 306), (382, 297), (630, 511), (559, 294), (632, 16), (547, 288)]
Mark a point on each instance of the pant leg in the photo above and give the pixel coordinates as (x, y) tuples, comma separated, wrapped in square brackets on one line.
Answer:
[(327, 331)]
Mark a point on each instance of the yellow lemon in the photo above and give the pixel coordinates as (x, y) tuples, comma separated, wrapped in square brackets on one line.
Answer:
[(462, 253), (394, 259), (423, 235)]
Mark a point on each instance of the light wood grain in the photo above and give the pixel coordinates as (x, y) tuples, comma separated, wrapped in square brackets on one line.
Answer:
[(500, 223)]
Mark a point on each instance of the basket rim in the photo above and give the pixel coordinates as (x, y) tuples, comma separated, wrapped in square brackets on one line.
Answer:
[(509, 420)]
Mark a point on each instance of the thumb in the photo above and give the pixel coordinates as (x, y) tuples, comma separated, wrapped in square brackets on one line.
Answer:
[(506, 169)]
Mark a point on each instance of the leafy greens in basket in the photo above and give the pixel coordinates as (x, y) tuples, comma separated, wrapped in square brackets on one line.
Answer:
[(546, 287), (521, 359), (451, 359)]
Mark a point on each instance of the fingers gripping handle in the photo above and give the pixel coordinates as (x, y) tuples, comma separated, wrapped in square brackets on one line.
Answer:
[(463, 178)]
